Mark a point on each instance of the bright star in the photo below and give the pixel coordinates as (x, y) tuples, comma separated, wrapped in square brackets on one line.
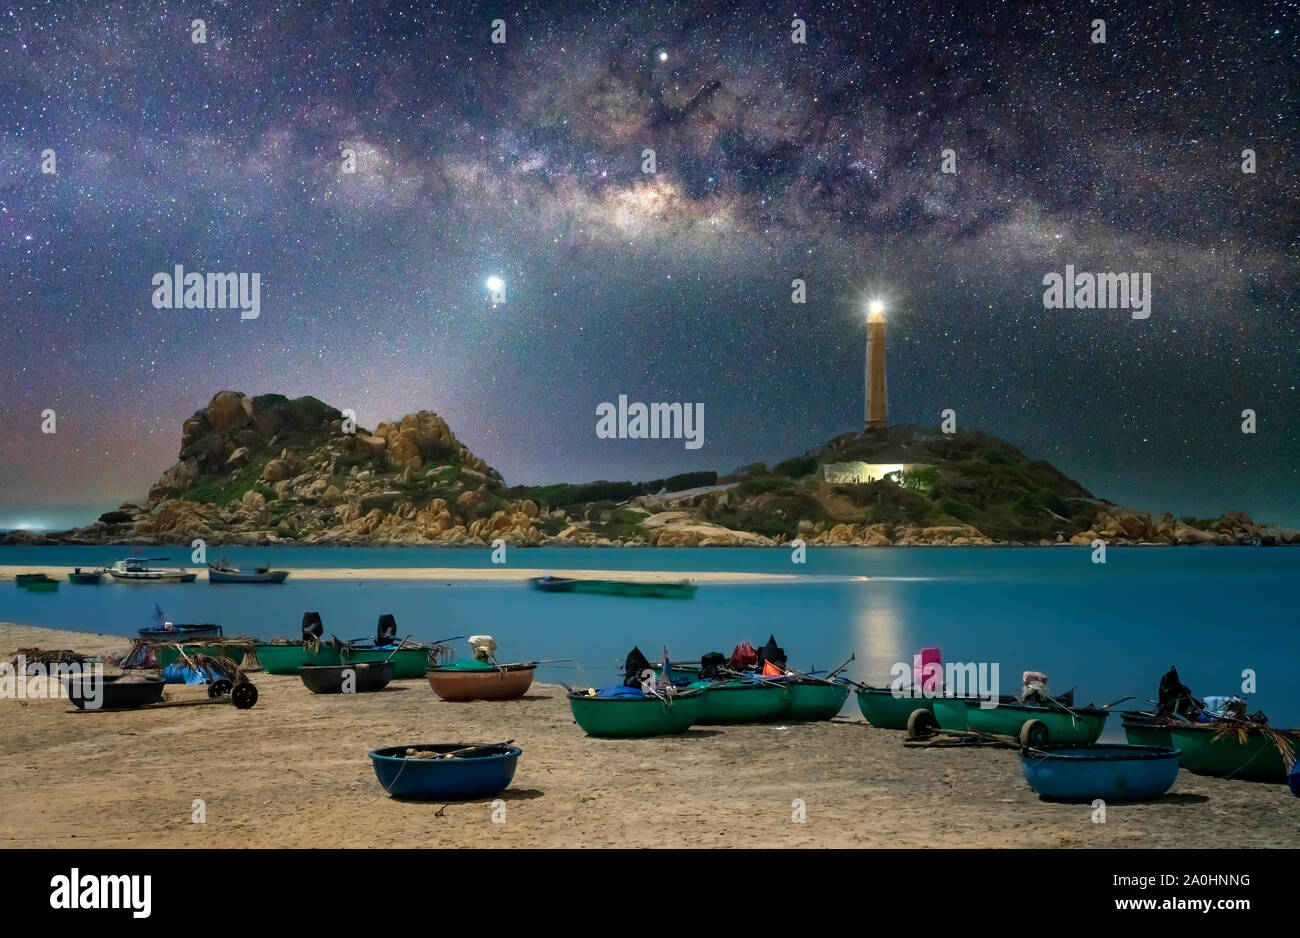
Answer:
[(495, 284)]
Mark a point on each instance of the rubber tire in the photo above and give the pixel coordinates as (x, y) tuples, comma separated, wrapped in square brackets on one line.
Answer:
[(243, 695), (219, 688), (921, 724), (1034, 733)]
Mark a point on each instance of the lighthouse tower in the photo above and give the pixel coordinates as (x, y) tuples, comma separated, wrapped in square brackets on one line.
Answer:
[(875, 374)]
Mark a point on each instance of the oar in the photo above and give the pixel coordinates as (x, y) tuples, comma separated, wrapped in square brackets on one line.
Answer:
[(852, 658), (396, 649), (1117, 702), (478, 748)]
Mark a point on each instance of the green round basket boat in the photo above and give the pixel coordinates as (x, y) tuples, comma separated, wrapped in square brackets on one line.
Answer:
[(1257, 759), (281, 658), (636, 717), (743, 702), (888, 712), (815, 700), (408, 663), (1079, 725)]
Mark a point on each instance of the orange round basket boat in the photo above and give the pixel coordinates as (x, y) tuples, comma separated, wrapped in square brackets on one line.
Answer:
[(504, 682)]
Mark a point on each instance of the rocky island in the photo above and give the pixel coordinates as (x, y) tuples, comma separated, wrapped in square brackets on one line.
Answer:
[(270, 470)]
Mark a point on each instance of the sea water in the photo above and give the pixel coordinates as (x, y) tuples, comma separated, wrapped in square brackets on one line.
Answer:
[(1222, 615)]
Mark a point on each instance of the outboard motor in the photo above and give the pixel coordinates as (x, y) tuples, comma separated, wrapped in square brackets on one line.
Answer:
[(712, 664), (312, 627), (387, 634), (635, 665), (1174, 698)]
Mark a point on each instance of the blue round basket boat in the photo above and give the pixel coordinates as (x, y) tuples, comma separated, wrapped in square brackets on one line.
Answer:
[(1106, 771), (471, 775)]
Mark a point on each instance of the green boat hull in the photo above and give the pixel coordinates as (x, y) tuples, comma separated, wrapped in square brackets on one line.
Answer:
[(164, 655), (1084, 726), (40, 586), (1256, 760), (1148, 736), (623, 588), (408, 663), (882, 709), (744, 702), (636, 718), (950, 713), (287, 659), (815, 701), (84, 578)]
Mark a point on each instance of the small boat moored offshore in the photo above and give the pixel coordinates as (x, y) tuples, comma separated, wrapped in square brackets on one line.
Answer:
[(350, 678), (666, 590), (169, 632), (85, 579), (223, 572), (36, 583), (137, 569), (446, 771), (1084, 773), (1231, 749)]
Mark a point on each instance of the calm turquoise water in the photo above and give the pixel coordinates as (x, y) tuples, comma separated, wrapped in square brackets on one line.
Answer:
[(1108, 630)]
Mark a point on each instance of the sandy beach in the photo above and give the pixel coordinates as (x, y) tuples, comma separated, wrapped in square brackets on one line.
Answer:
[(502, 573), (293, 772)]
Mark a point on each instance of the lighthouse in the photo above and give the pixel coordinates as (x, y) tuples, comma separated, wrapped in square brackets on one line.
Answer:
[(875, 373)]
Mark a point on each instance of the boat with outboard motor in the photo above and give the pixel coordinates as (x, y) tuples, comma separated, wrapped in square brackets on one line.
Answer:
[(138, 570)]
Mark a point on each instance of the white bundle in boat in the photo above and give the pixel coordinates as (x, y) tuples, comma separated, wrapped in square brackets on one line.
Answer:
[(483, 646)]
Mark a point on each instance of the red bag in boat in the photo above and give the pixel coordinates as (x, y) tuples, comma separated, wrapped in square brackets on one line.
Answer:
[(743, 657)]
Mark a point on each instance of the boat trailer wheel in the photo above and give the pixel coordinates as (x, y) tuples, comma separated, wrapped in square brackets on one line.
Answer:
[(219, 688), (1034, 733), (921, 724), (243, 695)]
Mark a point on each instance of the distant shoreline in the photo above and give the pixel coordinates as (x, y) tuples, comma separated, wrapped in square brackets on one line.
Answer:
[(500, 574)]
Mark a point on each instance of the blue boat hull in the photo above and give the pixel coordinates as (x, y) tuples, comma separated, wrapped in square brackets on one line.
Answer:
[(460, 779), (1105, 771)]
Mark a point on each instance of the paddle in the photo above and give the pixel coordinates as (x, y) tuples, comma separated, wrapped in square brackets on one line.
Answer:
[(479, 748), (1117, 702), (396, 649), (852, 658)]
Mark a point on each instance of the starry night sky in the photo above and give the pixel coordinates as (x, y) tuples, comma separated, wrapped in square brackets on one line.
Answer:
[(776, 161)]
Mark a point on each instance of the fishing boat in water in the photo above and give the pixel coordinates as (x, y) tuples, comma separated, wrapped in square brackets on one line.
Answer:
[(184, 632), (84, 578), (36, 583), (138, 569), (669, 590), (223, 572)]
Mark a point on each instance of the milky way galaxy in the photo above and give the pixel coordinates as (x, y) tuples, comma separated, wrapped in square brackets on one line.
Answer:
[(521, 165)]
